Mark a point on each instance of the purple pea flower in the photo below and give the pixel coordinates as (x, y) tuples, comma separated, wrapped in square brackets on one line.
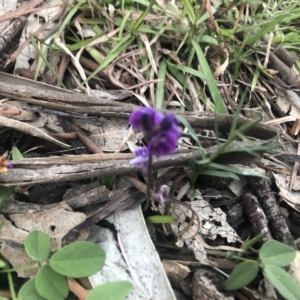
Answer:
[(144, 118), (161, 133), (9, 165), (152, 122), (163, 143), (141, 160)]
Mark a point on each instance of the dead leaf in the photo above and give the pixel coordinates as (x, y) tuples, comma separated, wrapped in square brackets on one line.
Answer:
[(29, 129), (291, 197)]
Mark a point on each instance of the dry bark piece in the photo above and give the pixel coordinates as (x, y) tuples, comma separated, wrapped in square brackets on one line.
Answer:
[(204, 285), (66, 124), (48, 193), (256, 216), (287, 75), (278, 227), (87, 194), (178, 275), (55, 98), (11, 206), (23, 87), (235, 215), (68, 172)]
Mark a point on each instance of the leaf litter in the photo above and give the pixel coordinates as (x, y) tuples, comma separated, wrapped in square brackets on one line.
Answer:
[(154, 64)]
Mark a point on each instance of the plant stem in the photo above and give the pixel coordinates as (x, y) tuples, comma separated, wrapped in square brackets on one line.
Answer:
[(20, 268), (149, 185), (11, 286)]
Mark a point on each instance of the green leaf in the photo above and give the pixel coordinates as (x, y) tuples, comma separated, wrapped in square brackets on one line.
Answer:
[(108, 180), (50, 284), (217, 173), (37, 245), (264, 29), (5, 192), (28, 291), (191, 71), (110, 291), (244, 172), (4, 298), (142, 17), (187, 5), (241, 275), (276, 253), (160, 219), (249, 243), (16, 154), (2, 263), (283, 282), (212, 85), (43, 58), (160, 88), (115, 52), (79, 259), (190, 129)]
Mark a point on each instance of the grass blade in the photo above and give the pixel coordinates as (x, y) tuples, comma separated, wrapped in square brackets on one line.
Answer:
[(160, 88), (211, 83)]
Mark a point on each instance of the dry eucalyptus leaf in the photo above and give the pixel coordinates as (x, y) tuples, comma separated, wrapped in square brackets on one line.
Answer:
[(110, 136), (288, 101), (291, 197), (134, 259), (213, 220), (55, 222), (25, 115), (29, 129), (213, 223), (237, 186), (296, 183), (11, 249), (10, 232)]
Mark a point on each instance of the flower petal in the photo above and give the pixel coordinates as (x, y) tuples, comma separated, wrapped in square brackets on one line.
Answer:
[(145, 118), (163, 143), (139, 161), (142, 151)]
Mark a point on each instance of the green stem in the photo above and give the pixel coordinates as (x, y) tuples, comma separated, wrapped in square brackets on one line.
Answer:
[(11, 286), (20, 268), (241, 258)]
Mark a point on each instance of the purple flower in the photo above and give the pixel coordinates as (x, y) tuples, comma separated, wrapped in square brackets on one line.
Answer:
[(141, 160), (145, 118), (161, 133), (163, 143), (9, 165)]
